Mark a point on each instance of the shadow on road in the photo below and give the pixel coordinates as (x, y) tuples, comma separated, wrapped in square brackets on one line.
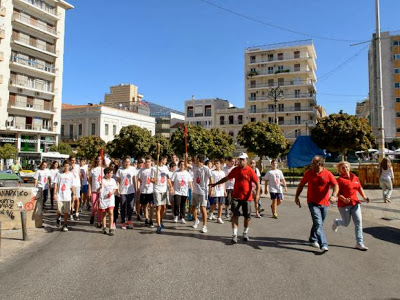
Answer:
[(384, 233)]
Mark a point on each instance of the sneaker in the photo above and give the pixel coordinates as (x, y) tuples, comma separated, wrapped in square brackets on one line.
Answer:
[(146, 222), (361, 247), (245, 237), (176, 219), (58, 221), (104, 230), (151, 225), (324, 249), (91, 220), (219, 220), (275, 216), (130, 225), (99, 225), (77, 217), (112, 232), (257, 215), (204, 229), (335, 226), (183, 221), (227, 215), (64, 229), (159, 229), (315, 244), (162, 225), (71, 217), (213, 218), (138, 217), (113, 226), (261, 210), (234, 239), (210, 217), (196, 223), (123, 226)]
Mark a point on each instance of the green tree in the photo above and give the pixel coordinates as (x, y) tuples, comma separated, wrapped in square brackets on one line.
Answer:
[(342, 132), (62, 148), (263, 138), (133, 141), (89, 146), (8, 151), (199, 140), (222, 144), (396, 143), (165, 146)]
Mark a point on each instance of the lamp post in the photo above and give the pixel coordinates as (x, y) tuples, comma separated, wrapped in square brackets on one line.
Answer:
[(275, 94)]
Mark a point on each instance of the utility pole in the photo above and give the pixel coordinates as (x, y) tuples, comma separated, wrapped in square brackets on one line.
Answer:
[(379, 90)]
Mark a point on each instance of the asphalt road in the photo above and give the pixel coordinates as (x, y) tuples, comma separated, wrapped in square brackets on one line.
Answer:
[(183, 263)]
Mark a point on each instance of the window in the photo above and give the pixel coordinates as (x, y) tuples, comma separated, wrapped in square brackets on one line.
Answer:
[(230, 118), (221, 120), (80, 129), (114, 129), (396, 43), (398, 115), (398, 100), (253, 96), (296, 54), (296, 67), (252, 59), (297, 120), (270, 82), (270, 120), (252, 84), (396, 56), (71, 131), (397, 129), (396, 71), (396, 85), (253, 108), (271, 108), (270, 57), (106, 129), (231, 133), (240, 119), (254, 119), (280, 56), (297, 106), (190, 111), (207, 111), (270, 70), (62, 130), (93, 131), (281, 107), (281, 81), (281, 121), (297, 132), (297, 93), (280, 68)]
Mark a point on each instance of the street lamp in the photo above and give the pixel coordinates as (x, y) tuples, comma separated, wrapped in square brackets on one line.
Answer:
[(275, 94)]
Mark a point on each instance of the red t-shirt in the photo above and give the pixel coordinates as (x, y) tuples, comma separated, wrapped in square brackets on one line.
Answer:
[(348, 188), (244, 177), (318, 186)]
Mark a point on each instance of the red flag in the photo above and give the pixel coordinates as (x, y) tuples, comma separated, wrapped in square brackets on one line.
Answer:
[(185, 131)]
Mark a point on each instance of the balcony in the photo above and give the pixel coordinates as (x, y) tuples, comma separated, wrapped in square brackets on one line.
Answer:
[(283, 72), (235, 122), (282, 84), (33, 85), (41, 7), (2, 11), (46, 108), (42, 68), (31, 128), (303, 56), (286, 97), (33, 44), (2, 33), (34, 24), (284, 110)]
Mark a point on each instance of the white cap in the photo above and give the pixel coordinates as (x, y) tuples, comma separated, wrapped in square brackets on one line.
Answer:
[(243, 155)]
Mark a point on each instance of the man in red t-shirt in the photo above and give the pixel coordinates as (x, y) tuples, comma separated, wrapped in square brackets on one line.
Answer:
[(242, 195), (319, 180)]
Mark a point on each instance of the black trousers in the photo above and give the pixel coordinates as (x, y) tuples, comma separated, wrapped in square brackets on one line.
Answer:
[(180, 206), (127, 202)]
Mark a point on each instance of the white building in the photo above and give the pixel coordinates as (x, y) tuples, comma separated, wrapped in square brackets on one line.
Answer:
[(99, 120), (31, 72)]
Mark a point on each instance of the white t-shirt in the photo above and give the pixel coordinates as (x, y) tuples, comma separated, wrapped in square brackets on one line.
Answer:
[(181, 181), (144, 175), (126, 176), (201, 177), (219, 190), (231, 182), (107, 193), (274, 178), (64, 183), (42, 176), (84, 174), (76, 171), (163, 174), (97, 175), (387, 174), (53, 176)]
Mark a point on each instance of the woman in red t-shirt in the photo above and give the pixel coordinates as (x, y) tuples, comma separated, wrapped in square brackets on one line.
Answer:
[(348, 203)]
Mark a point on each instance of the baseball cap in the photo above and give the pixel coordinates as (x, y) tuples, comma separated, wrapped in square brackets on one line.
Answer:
[(243, 155)]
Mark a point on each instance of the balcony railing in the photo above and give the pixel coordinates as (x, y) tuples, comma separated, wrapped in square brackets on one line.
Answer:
[(281, 72), (32, 22), (2, 33), (25, 105), (32, 84), (227, 122), (33, 64), (294, 122), (32, 127), (285, 96), (285, 109), (275, 59), (43, 6), (281, 83), (2, 11), (34, 43)]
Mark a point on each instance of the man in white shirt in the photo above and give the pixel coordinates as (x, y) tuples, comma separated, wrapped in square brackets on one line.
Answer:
[(76, 172), (146, 190)]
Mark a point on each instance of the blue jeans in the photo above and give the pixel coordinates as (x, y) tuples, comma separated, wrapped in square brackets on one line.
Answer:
[(348, 212), (318, 215)]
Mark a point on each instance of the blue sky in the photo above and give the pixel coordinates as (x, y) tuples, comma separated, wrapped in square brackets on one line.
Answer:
[(173, 49)]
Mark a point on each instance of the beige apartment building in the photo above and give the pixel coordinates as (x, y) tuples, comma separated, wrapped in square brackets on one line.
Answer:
[(31, 60), (289, 70), (123, 95)]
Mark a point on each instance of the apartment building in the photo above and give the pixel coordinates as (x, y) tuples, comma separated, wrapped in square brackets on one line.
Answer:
[(390, 45), (31, 60), (363, 109), (99, 120), (280, 86)]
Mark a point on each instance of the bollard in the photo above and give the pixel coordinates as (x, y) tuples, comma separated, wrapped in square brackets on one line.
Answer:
[(23, 223)]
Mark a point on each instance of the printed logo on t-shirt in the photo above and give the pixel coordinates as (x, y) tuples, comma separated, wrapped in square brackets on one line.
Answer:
[(45, 180), (126, 183), (198, 180), (182, 182), (109, 194), (63, 188), (148, 180), (99, 178), (162, 178)]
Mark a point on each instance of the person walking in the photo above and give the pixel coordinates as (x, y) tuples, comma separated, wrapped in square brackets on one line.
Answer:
[(182, 182), (42, 182), (348, 203), (274, 179), (386, 178), (242, 196), (319, 181)]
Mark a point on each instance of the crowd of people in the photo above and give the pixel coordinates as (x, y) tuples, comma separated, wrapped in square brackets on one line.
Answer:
[(218, 190)]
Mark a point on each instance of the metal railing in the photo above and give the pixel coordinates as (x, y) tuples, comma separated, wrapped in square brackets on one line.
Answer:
[(33, 84), (285, 109), (226, 122), (275, 59), (31, 127), (43, 6), (285, 96), (33, 64), (34, 23), (25, 104), (34, 43), (282, 83)]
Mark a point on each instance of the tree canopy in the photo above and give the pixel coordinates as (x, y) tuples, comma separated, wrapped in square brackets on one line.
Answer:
[(89, 146), (263, 139), (165, 146), (62, 148), (342, 132), (222, 144), (8, 151)]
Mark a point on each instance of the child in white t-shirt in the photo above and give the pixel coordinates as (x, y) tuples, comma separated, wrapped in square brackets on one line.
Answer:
[(42, 181), (275, 180), (218, 192), (107, 189)]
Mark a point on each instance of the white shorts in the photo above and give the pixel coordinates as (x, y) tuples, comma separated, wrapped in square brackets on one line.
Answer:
[(64, 207), (199, 200), (160, 198)]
